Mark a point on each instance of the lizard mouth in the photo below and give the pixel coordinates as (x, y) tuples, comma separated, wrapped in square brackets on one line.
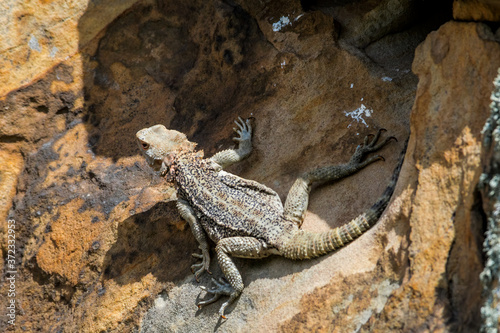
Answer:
[(155, 164), (158, 165)]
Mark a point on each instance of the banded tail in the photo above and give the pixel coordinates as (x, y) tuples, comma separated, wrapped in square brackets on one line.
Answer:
[(306, 244)]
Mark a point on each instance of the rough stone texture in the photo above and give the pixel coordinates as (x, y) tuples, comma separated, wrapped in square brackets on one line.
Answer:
[(476, 10), (490, 191), (440, 292), (38, 35), (100, 246)]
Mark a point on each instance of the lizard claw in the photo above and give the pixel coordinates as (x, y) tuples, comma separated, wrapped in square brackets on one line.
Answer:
[(370, 145), (221, 288), (198, 269), (244, 130)]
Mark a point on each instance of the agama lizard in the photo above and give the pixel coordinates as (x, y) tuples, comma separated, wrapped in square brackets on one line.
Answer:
[(244, 218)]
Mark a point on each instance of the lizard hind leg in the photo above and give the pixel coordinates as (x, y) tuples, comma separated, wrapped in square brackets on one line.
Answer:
[(302, 244), (298, 197), (297, 200), (243, 247)]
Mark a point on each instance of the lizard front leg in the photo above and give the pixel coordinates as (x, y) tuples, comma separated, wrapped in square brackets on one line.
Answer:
[(187, 214), (229, 156), (243, 247)]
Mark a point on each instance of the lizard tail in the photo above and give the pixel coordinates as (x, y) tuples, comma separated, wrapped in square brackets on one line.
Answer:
[(305, 244)]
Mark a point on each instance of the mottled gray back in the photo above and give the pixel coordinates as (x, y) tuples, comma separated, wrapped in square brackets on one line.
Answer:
[(236, 206)]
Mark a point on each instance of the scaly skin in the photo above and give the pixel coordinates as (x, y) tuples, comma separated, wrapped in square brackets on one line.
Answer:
[(247, 219)]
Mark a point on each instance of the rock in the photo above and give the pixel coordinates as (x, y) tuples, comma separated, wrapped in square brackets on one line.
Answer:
[(12, 165), (100, 245), (40, 36), (440, 292), (490, 194), (476, 10)]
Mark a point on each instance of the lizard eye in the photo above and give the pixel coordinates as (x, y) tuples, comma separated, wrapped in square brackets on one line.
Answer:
[(144, 145)]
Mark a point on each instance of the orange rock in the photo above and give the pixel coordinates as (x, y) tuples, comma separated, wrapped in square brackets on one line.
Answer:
[(476, 10), (39, 35)]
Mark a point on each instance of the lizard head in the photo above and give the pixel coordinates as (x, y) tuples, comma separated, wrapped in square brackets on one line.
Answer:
[(161, 146)]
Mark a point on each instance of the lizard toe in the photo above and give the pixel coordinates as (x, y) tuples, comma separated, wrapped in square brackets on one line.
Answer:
[(222, 288)]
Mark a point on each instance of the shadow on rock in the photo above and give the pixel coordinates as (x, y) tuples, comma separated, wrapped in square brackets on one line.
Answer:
[(150, 242)]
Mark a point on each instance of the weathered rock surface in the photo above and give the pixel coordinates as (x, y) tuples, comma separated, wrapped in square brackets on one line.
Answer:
[(476, 10), (489, 186), (39, 35), (99, 244)]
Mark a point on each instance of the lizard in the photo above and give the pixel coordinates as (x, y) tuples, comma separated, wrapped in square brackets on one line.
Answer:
[(247, 219)]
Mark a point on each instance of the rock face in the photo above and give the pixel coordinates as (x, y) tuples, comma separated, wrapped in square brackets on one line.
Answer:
[(99, 245)]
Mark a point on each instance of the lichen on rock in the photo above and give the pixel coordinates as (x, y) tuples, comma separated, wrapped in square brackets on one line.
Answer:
[(490, 189)]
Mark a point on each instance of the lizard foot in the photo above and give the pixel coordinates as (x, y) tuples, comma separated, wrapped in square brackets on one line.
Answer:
[(370, 146), (221, 288), (198, 269), (244, 130)]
